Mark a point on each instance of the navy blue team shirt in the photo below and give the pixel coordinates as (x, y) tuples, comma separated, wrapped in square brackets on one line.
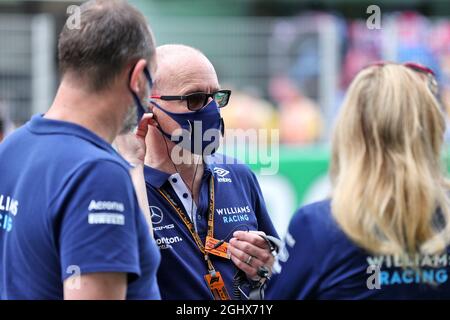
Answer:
[(239, 205), (320, 262), (67, 207)]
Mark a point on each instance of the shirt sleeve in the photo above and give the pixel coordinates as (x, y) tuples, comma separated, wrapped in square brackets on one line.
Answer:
[(97, 229), (295, 271), (264, 222)]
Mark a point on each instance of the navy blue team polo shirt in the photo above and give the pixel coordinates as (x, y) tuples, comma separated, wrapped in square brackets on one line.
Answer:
[(68, 207), (239, 205), (320, 262)]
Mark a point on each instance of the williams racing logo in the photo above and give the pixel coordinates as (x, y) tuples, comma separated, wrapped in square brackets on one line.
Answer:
[(222, 174), (234, 214), (8, 210)]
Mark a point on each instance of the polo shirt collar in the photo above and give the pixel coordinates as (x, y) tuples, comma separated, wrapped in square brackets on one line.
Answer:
[(157, 178)]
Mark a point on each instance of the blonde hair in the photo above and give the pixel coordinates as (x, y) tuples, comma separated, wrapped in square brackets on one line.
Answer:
[(389, 189)]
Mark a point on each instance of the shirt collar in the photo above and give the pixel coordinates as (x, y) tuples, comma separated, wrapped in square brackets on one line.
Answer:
[(157, 178), (212, 161), (208, 168), (40, 125)]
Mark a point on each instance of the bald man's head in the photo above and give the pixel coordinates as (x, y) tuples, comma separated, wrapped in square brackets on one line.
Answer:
[(183, 70)]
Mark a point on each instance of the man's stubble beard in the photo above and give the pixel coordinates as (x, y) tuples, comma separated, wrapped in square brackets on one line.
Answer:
[(130, 122)]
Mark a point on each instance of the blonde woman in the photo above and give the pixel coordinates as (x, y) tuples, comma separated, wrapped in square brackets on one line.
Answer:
[(384, 233)]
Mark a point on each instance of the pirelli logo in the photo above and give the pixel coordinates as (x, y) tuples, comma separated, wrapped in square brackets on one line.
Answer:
[(106, 218)]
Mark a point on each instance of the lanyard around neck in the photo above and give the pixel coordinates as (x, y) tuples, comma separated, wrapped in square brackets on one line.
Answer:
[(188, 223)]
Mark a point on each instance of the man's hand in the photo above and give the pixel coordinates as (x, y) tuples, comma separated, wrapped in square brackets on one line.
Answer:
[(249, 252), (132, 145)]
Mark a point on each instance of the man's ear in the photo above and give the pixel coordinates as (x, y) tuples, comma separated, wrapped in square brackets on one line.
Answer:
[(137, 79)]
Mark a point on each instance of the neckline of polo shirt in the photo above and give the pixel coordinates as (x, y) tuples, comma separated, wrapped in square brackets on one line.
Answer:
[(208, 170), (41, 125), (155, 177), (209, 165)]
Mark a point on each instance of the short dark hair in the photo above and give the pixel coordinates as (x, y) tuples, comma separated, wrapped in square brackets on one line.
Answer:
[(112, 34)]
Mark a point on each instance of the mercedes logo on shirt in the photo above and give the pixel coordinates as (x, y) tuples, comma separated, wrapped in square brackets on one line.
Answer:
[(156, 215)]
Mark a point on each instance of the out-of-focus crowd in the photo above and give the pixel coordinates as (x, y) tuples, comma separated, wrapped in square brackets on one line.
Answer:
[(290, 102), (292, 105)]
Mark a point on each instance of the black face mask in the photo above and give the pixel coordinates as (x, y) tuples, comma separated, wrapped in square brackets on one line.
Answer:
[(203, 128), (141, 109)]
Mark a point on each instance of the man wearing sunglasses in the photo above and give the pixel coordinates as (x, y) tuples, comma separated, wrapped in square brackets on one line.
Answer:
[(207, 210)]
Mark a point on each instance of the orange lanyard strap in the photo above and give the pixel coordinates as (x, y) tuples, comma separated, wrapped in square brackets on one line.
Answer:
[(188, 223), (211, 208)]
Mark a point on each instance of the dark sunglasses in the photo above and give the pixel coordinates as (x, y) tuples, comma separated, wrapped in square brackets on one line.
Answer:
[(198, 100), (418, 68)]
